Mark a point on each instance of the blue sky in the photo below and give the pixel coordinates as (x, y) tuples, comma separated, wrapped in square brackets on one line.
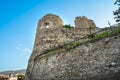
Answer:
[(19, 18)]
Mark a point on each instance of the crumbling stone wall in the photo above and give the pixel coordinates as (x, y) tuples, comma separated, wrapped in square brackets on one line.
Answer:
[(84, 22), (47, 32), (50, 21), (92, 61), (51, 34)]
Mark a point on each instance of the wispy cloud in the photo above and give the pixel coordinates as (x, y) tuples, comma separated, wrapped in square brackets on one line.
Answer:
[(27, 50)]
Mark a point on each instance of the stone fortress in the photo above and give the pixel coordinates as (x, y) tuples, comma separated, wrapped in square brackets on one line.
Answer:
[(90, 61), (51, 33)]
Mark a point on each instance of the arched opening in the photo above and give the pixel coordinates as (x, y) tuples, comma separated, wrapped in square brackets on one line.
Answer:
[(47, 25)]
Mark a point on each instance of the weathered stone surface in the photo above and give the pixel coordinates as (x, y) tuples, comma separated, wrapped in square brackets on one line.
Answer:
[(84, 22), (90, 61), (97, 60), (50, 21), (50, 34)]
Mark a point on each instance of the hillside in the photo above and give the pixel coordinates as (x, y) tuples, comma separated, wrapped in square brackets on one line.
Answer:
[(23, 71)]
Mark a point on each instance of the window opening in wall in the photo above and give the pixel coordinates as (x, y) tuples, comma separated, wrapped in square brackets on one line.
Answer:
[(47, 25)]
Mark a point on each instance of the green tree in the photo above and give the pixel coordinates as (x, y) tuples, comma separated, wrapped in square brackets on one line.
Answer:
[(21, 77), (117, 12)]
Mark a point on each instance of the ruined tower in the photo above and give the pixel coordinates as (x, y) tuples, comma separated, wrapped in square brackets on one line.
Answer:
[(47, 32), (84, 22)]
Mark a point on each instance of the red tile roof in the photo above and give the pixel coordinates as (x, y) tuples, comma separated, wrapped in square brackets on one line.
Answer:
[(3, 77)]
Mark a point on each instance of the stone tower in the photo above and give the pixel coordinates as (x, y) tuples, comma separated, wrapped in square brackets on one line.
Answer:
[(50, 21), (47, 32), (84, 22)]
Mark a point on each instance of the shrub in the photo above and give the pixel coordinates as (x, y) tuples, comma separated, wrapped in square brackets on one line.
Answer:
[(102, 35), (21, 77), (68, 26)]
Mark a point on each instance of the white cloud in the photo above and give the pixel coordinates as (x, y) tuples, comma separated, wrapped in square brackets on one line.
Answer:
[(27, 50)]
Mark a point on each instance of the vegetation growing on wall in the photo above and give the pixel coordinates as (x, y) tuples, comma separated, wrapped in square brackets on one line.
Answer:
[(68, 26), (105, 34)]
